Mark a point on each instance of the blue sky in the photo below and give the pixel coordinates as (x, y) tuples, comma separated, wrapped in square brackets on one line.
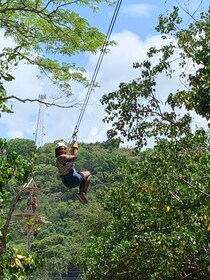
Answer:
[(134, 31)]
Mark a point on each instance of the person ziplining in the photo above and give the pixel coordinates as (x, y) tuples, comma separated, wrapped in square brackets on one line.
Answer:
[(65, 161), (70, 177)]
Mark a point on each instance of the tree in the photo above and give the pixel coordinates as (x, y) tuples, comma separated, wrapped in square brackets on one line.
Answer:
[(159, 225), (12, 263), (62, 240), (71, 224), (134, 109), (24, 147), (42, 31)]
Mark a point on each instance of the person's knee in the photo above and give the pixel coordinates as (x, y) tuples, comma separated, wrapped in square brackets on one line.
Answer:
[(86, 174)]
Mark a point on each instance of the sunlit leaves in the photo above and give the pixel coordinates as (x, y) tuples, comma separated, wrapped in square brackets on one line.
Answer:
[(159, 226), (12, 167), (42, 31), (138, 112), (16, 266)]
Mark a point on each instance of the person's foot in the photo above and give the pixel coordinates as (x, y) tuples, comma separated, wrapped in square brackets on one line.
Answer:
[(82, 197)]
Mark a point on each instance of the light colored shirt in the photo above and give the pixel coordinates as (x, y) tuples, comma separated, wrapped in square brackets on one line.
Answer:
[(64, 165)]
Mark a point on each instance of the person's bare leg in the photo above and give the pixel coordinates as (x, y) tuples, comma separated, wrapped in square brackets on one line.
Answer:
[(85, 183), (83, 187)]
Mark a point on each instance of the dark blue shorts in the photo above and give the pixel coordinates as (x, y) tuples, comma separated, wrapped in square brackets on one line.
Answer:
[(73, 179)]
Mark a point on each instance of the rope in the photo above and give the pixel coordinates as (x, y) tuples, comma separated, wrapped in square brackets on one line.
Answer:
[(90, 88)]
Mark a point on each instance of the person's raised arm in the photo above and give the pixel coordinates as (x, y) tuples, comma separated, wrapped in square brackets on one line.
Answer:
[(74, 150)]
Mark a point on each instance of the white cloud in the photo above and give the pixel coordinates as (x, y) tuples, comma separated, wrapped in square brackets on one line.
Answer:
[(25, 86), (6, 41), (59, 123), (138, 10)]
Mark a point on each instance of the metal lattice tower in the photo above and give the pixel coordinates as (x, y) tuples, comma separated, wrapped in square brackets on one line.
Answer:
[(40, 122)]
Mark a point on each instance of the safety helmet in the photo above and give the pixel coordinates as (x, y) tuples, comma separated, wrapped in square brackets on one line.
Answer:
[(60, 144)]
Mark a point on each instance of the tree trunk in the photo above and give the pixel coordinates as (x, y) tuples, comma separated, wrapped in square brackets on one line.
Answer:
[(3, 238)]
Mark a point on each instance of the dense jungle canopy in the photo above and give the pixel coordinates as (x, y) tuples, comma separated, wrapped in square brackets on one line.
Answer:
[(148, 216)]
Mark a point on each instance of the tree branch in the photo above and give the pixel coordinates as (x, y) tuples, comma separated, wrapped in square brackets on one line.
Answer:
[(196, 188), (38, 100), (3, 240)]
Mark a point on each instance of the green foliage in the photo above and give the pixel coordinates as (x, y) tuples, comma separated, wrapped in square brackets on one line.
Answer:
[(24, 147), (15, 266), (149, 215), (194, 44), (42, 31), (46, 154), (60, 242), (134, 109), (159, 226), (144, 219), (14, 167)]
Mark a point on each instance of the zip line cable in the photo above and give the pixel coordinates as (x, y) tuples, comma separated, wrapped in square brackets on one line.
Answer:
[(95, 73), (117, 8)]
